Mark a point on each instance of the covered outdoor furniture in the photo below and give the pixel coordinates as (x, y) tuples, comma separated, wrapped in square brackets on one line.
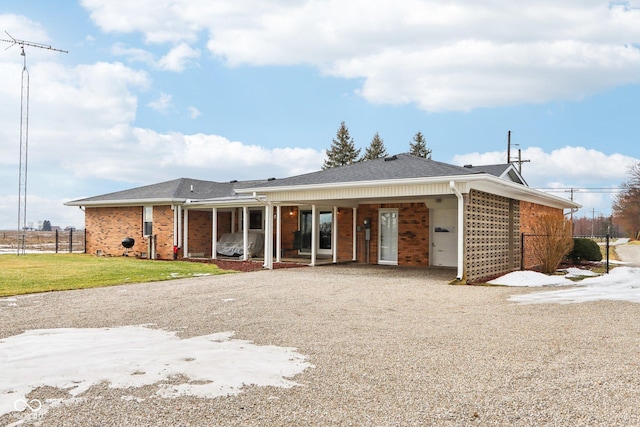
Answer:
[(232, 244)]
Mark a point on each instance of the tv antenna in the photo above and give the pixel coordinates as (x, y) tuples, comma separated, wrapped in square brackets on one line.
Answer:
[(24, 136)]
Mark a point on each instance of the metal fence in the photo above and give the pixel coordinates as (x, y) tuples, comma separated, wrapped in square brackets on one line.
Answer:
[(57, 241)]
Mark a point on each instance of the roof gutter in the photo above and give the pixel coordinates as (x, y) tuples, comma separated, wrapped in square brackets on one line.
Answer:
[(124, 202)]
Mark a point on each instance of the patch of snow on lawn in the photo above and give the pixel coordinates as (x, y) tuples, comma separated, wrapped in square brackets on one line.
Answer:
[(133, 356), (621, 284), (530, 278)]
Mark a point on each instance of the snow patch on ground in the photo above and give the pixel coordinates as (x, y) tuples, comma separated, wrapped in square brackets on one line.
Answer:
[(530, 278), (621, 284), (132, 356)]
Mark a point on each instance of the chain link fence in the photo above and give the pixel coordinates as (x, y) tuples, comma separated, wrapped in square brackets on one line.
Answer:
[(57, 241)]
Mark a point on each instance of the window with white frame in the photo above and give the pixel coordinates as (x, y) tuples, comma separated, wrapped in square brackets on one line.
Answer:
[(147, 221)]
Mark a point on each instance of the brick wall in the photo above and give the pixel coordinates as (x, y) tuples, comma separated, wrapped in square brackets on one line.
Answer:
[(289, 225), (200, 227), (413, 233), (163, 230), (107, 226), (345, 234)]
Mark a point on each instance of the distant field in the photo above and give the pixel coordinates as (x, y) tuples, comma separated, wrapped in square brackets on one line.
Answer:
[(43, 241), (32, 273)]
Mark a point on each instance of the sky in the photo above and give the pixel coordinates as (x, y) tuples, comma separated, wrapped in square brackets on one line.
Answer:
[(155, 90)]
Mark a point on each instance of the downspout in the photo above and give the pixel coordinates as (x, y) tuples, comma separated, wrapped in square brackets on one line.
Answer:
[(460, 245), (179, 243), (174, 208)]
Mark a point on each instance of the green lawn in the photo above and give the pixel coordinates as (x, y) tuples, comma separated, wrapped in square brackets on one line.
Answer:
[(27, 274)]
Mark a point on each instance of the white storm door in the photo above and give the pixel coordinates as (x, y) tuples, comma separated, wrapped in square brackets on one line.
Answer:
[(388, 236), (444, 237)]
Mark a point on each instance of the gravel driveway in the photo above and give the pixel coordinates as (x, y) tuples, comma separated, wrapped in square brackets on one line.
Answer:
[(390, 347), (629, 254)]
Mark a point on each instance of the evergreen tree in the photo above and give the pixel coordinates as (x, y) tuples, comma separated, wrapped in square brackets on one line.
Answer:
[(375, 150), (419, 146), (343, 150), (46, 225)]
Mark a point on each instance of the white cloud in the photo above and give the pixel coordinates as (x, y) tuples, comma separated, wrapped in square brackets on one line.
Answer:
[(571, 164), (133, 54), (440, 56), (162, 104), (178, 58), (194, 113), (594, 175)]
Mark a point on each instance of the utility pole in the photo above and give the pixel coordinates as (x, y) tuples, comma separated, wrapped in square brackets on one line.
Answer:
[(24, 138), (519, 161), (508, 146)]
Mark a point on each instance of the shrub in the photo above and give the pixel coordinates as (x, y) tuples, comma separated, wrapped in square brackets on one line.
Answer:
[(553, 241), (585, 250)]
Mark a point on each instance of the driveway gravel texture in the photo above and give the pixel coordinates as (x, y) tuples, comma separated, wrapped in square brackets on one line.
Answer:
[(389, 347)]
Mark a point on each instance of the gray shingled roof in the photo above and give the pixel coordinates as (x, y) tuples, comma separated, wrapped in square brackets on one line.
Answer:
[(400, 166), (177, 189)]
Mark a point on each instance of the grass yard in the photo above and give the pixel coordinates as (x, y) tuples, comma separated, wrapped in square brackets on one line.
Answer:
[(27, 274)]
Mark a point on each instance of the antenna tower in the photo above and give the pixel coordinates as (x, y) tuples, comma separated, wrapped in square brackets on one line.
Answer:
[(24, 137)]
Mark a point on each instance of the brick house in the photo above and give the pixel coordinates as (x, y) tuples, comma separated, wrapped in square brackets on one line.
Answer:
[(399, 210)]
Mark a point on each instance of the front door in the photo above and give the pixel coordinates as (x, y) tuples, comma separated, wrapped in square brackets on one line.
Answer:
[(444, 237), (325, 222), (388, 237)]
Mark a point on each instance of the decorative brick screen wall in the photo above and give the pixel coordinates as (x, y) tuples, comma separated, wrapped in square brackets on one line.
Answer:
[(492, 242)]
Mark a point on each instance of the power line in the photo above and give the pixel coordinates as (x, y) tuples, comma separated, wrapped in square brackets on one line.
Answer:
[(574, 190)]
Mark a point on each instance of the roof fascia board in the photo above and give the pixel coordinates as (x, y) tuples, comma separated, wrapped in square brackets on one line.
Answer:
[(480, 181), (225, 202), (356, 184), (521, 192), (124, 202)]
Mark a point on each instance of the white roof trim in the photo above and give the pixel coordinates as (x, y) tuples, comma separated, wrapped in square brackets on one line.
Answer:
[(481, 181), (124, 202)]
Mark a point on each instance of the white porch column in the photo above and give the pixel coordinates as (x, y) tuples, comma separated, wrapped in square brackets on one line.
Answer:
[(185, 234), (245, 233), (268, 236), (461, 230), (233, 220), (354, 232), (214, 233), (314, 234), (278, 232), (334, 235)]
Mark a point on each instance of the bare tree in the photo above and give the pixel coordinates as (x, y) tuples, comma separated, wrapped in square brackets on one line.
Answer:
[(626, 205), (551, 241)]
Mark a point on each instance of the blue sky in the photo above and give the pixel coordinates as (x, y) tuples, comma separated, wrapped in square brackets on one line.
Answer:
[(230, 89)]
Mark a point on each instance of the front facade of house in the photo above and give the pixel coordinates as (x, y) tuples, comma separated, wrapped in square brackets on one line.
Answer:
[(401, 210)]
